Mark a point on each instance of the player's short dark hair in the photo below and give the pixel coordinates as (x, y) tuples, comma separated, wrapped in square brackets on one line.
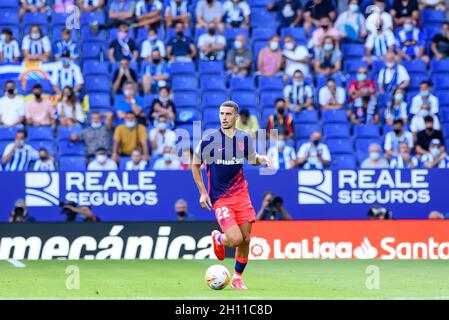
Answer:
[(428, 119), (244, 112), (22, 131), (7, 31), (427, 82), (232, 104)]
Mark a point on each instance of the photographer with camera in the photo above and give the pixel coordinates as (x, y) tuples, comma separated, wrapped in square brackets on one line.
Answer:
[(272, 208), (77, 214), (20, 213), (379, 213)]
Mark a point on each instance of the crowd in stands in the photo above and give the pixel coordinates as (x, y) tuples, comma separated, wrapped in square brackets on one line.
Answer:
[(363, 84)]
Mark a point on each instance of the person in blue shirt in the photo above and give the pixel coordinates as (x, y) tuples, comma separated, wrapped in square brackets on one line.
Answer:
[(410, 42), (66, 45), (129, 103), (180, 47), (123, 74), (155, 74)]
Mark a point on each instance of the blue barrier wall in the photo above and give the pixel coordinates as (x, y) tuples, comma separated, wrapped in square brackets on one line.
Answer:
[(150, 195)]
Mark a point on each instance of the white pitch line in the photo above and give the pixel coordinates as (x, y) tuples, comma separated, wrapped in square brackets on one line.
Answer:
[(16, 263)]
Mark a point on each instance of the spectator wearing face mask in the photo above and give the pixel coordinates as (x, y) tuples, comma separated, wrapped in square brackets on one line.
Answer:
[(379, 43), (180, 47), (122, 75), (36, 46), (299, 95), (161, 136), (326, 30), (375, 159), (102, 162), (440, 43), (136, 162), (163, 105), (378, 12), (236, 14), (394, 138), (296, 58), (425, 136), (211, 44), (247, 123), (365, 111), (129, 136), (207, 11), (123, 46), (39, 110), (314, 10), (66, 44), (351, 23), (129, 103), (392, 75), (155, 74), (269, 61), (331, 96), (418, 122), (69, 111), (239, 58), (181, 210), (12, 107), (9, 47), (281, 120), (425, 96), (288, 11), (281, 155), (403, 159), (361, 86), (314, 154), (168, 161), (410, 43), (177, 10), (18, 154), (396, 108), (403, 10), (97, 135), (45, 162), (435, 158), (327, 61), (67, 74), (152, 43)]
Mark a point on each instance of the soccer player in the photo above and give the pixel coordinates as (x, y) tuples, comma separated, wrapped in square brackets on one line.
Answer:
[(224, 151)]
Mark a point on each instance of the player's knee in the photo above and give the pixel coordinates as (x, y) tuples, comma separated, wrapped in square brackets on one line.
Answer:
[(235, 241), (246, 239)]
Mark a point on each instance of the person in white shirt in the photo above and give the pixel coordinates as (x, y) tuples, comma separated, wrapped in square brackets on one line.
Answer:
[(102, 162), (378, 12), (18, 154), (296, 57), (67, 73), (152, 43), (424, 96), (9, 47), (394, 138), (298, 95), (168, 161), (435, 158), (161, 136), (314, 154), (331, 97), (418, 122), (12, 107), (136, 162), (148, 13), (403, 159), (45, 161), (396, 108), (281, 155), (375, 159), (378, 44), (36, 46), (351, 23), (236, 14), (69, 110), (211, 44), (392, 75)]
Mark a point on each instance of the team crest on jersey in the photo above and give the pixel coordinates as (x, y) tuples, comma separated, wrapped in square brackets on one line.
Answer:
[(241, 145)]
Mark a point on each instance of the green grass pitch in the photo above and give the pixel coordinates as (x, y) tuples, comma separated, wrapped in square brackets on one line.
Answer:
[(179, 279)]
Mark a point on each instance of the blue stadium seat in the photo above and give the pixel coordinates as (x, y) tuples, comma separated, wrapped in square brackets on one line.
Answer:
[(182, 68), (443, 98), (351, 66), (186, 115), (213, 82), (7, 133), (440, 82), (56, 35), (334, 116), (242, 84), (98, 100), (439, 66), (336, 130), (297, 33), (263, 33), (432, 16), (258, 3), (366, 131), (306, 116), (444, 115), (261, 17), (95, 67), (244, 98), (271, 83), (30, 18), (353, 51), (122, 162), (9, 17), (383, 99), (97, 83), (213, 98), (343, 161), (431, 31), (211, 116), (184, 82), (446, 129), (185, 99), (40, 133), (416, 80), (26, 29), (43, 144), (59, 19), (90, 17), (93, 50), (12, 4), (230, 34), (72, 163), (68, 148), (63, 133), (148, 100), (414, 66), (88, 35), (181, 128), (340, 146), (304, 131), (3, 144), (266, 113), (268, 98), (376, 67), (211, 67)]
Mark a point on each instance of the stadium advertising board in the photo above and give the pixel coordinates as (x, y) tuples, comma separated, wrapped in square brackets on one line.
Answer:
[(386, 240), (150, 195)]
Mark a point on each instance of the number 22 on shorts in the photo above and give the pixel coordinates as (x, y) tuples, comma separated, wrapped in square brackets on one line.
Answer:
[(222, 213)]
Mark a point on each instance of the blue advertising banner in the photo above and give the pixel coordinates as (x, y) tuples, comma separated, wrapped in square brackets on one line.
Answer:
[(151, 195)]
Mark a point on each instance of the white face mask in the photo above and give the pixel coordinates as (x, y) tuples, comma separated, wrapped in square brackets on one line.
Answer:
[(289, 46), (101, 158), (128, 92), (274, 45)]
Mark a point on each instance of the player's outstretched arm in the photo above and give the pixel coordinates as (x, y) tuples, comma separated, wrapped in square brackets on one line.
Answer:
[(198, 178)]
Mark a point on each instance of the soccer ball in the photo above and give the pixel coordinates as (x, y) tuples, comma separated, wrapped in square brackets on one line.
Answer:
[(217, 277)]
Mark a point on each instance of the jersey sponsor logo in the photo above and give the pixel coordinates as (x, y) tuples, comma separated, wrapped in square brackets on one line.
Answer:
[(41, 189), (315, 187)]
